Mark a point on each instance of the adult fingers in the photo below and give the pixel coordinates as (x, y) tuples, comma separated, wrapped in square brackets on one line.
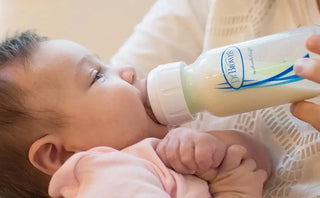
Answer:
[(308, 112), (308, 68), (313, 43)]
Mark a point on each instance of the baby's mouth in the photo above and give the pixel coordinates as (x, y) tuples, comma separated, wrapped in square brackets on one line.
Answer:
[(150, 114), (142, 86), (149, 110)]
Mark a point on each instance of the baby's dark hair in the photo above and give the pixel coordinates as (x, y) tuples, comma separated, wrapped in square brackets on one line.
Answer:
[(18, 178)]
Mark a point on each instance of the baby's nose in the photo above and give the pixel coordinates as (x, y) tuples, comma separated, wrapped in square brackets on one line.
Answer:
[(127, 73)]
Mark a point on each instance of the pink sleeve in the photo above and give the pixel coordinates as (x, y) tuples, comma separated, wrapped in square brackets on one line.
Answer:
[(97, 175)]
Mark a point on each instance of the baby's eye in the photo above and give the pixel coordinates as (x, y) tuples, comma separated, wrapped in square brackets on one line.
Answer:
[(98, 75)]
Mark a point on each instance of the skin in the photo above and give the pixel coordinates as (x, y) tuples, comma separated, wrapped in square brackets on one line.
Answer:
[(309, 69), (104, 106), (229, 171), (112, 103), (190, 152), (202, 154)]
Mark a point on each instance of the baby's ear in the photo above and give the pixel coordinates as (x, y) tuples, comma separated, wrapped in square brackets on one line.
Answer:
[(48, 154)]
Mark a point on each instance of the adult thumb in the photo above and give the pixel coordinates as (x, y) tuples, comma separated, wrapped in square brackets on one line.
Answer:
[(307, 112)]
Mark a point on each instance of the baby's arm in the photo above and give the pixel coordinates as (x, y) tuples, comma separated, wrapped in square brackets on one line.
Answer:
[(309, 69)]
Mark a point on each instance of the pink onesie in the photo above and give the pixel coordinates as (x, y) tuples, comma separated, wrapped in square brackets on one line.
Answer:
[(135, 171)]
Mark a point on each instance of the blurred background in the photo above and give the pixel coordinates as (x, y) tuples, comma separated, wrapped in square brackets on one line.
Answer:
[(100, 25)]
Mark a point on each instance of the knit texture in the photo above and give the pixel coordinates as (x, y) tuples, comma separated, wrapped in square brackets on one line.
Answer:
[(293, 144)]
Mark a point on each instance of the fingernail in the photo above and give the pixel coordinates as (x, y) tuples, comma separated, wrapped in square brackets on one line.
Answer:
[(298, 69), (299, 65)]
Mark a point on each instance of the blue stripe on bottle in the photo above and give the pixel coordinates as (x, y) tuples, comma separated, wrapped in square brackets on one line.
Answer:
[(279, 79)]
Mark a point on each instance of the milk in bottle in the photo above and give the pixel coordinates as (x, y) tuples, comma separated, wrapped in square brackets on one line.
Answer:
[(233, 79)]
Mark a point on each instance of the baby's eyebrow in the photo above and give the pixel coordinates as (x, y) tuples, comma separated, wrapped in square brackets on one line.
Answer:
[(87, 58)]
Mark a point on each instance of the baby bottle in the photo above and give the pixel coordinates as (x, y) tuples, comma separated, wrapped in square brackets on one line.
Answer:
[(233, 79)]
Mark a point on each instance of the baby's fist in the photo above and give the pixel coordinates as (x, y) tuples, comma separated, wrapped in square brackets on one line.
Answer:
[(190, 152)]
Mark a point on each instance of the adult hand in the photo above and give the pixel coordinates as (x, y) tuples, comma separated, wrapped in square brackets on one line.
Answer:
[(238, 176), (310, 69)]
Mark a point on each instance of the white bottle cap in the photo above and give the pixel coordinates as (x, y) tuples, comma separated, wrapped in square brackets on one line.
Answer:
[(166, 96)]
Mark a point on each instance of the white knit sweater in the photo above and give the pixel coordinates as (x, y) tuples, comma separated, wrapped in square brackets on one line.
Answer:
[(293, 145), (232, 21), (179, 30)]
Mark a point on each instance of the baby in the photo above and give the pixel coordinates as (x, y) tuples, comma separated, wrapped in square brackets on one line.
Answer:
[(59, 102)]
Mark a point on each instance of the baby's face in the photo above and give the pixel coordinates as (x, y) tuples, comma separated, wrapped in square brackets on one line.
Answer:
[(105, 105)]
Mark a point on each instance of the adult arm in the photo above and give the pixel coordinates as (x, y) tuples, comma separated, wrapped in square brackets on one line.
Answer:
[(172, 30)]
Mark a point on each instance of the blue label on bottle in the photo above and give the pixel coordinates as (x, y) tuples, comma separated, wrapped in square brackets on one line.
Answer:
[(232, 67)]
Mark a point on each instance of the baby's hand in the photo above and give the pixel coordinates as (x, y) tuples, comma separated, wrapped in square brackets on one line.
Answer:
[(190, 152), (237, 176), (309, 69)]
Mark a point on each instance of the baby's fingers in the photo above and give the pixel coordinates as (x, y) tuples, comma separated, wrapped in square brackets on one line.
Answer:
[(262, 175), (161, 151), (308, 112), (187, 155), (174, 157), (209, 155), (234, 156)]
